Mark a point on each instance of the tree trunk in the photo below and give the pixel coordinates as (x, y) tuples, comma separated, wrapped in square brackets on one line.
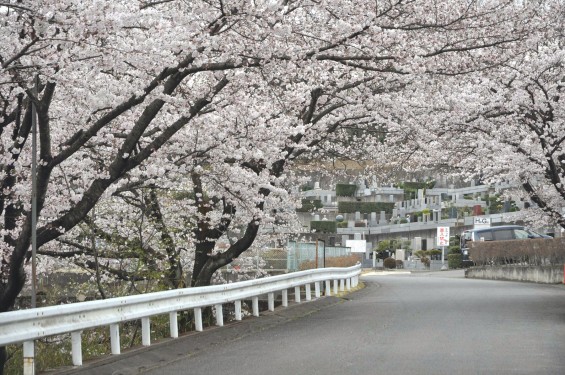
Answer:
[(201, 258), (3, 359)]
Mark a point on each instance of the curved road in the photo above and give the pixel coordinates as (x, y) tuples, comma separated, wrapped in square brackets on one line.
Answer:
[(424, 323)]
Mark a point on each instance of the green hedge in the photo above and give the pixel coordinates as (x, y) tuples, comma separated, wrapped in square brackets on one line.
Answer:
[(411, 188), (324, 226), (309, 205), (454, 261), (345, 190), (411, 185), (365, 207)]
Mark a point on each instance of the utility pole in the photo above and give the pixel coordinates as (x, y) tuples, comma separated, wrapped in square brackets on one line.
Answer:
[(34, 196)]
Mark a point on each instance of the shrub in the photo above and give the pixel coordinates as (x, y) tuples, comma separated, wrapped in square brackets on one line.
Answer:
[(411, 188), (365, 207), (345, 190), (343, 224), (420, 253), (344, 261), (399, 264), (323, 226), (389, 263), (454, 247), (538, 252), (454, 261), (435, 254), (309, 205), (454, 250), (410, 185), (425, 261)]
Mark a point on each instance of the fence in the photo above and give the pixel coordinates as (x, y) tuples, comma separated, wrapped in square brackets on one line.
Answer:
[(299, 252), (26, 326), (289, 259)]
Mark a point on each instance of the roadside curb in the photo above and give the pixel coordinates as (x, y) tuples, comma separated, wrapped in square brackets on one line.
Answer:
[(385, 273)]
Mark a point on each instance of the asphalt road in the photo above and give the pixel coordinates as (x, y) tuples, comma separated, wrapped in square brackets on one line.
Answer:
[(425, 323)]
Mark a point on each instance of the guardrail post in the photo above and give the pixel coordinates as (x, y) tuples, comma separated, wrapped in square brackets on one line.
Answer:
[(297, 294), (255, 301), (115, 338), (348, 283), (317, 289), (198, 319), (145, 331), (336, 291), (328, 288), (173, 324), (308, 293), (237, 310), (76, 347), (285, 297), (341, 285), (29, 358), (219, 315), (271, 299)]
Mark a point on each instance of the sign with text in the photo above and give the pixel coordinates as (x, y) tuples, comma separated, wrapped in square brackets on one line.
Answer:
[(481, 221), (357, 246), (442, 236)]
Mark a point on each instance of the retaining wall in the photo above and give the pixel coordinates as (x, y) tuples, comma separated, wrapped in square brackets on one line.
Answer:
[(536, 274)]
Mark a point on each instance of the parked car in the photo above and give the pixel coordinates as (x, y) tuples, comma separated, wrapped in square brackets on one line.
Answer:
[(500, 233)]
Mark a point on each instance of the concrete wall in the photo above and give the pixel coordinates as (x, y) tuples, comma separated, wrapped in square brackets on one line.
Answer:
[(536, 274)]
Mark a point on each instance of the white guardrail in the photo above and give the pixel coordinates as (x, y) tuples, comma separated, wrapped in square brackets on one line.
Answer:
[(25, 326)]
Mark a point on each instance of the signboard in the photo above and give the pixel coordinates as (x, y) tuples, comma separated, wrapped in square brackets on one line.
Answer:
[(357, 246), (442, 236), (481, 222)]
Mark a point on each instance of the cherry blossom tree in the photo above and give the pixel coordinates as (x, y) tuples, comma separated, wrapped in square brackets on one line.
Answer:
[(103, 78), (218, 97), (523, 126), (504, 124), (130, 99)]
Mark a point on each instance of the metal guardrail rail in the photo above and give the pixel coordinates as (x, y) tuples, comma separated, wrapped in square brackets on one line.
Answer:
[(25, 326)]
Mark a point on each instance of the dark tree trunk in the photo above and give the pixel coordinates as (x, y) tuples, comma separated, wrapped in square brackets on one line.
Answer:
[(202, 256), (3, 359), (174, 275)]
